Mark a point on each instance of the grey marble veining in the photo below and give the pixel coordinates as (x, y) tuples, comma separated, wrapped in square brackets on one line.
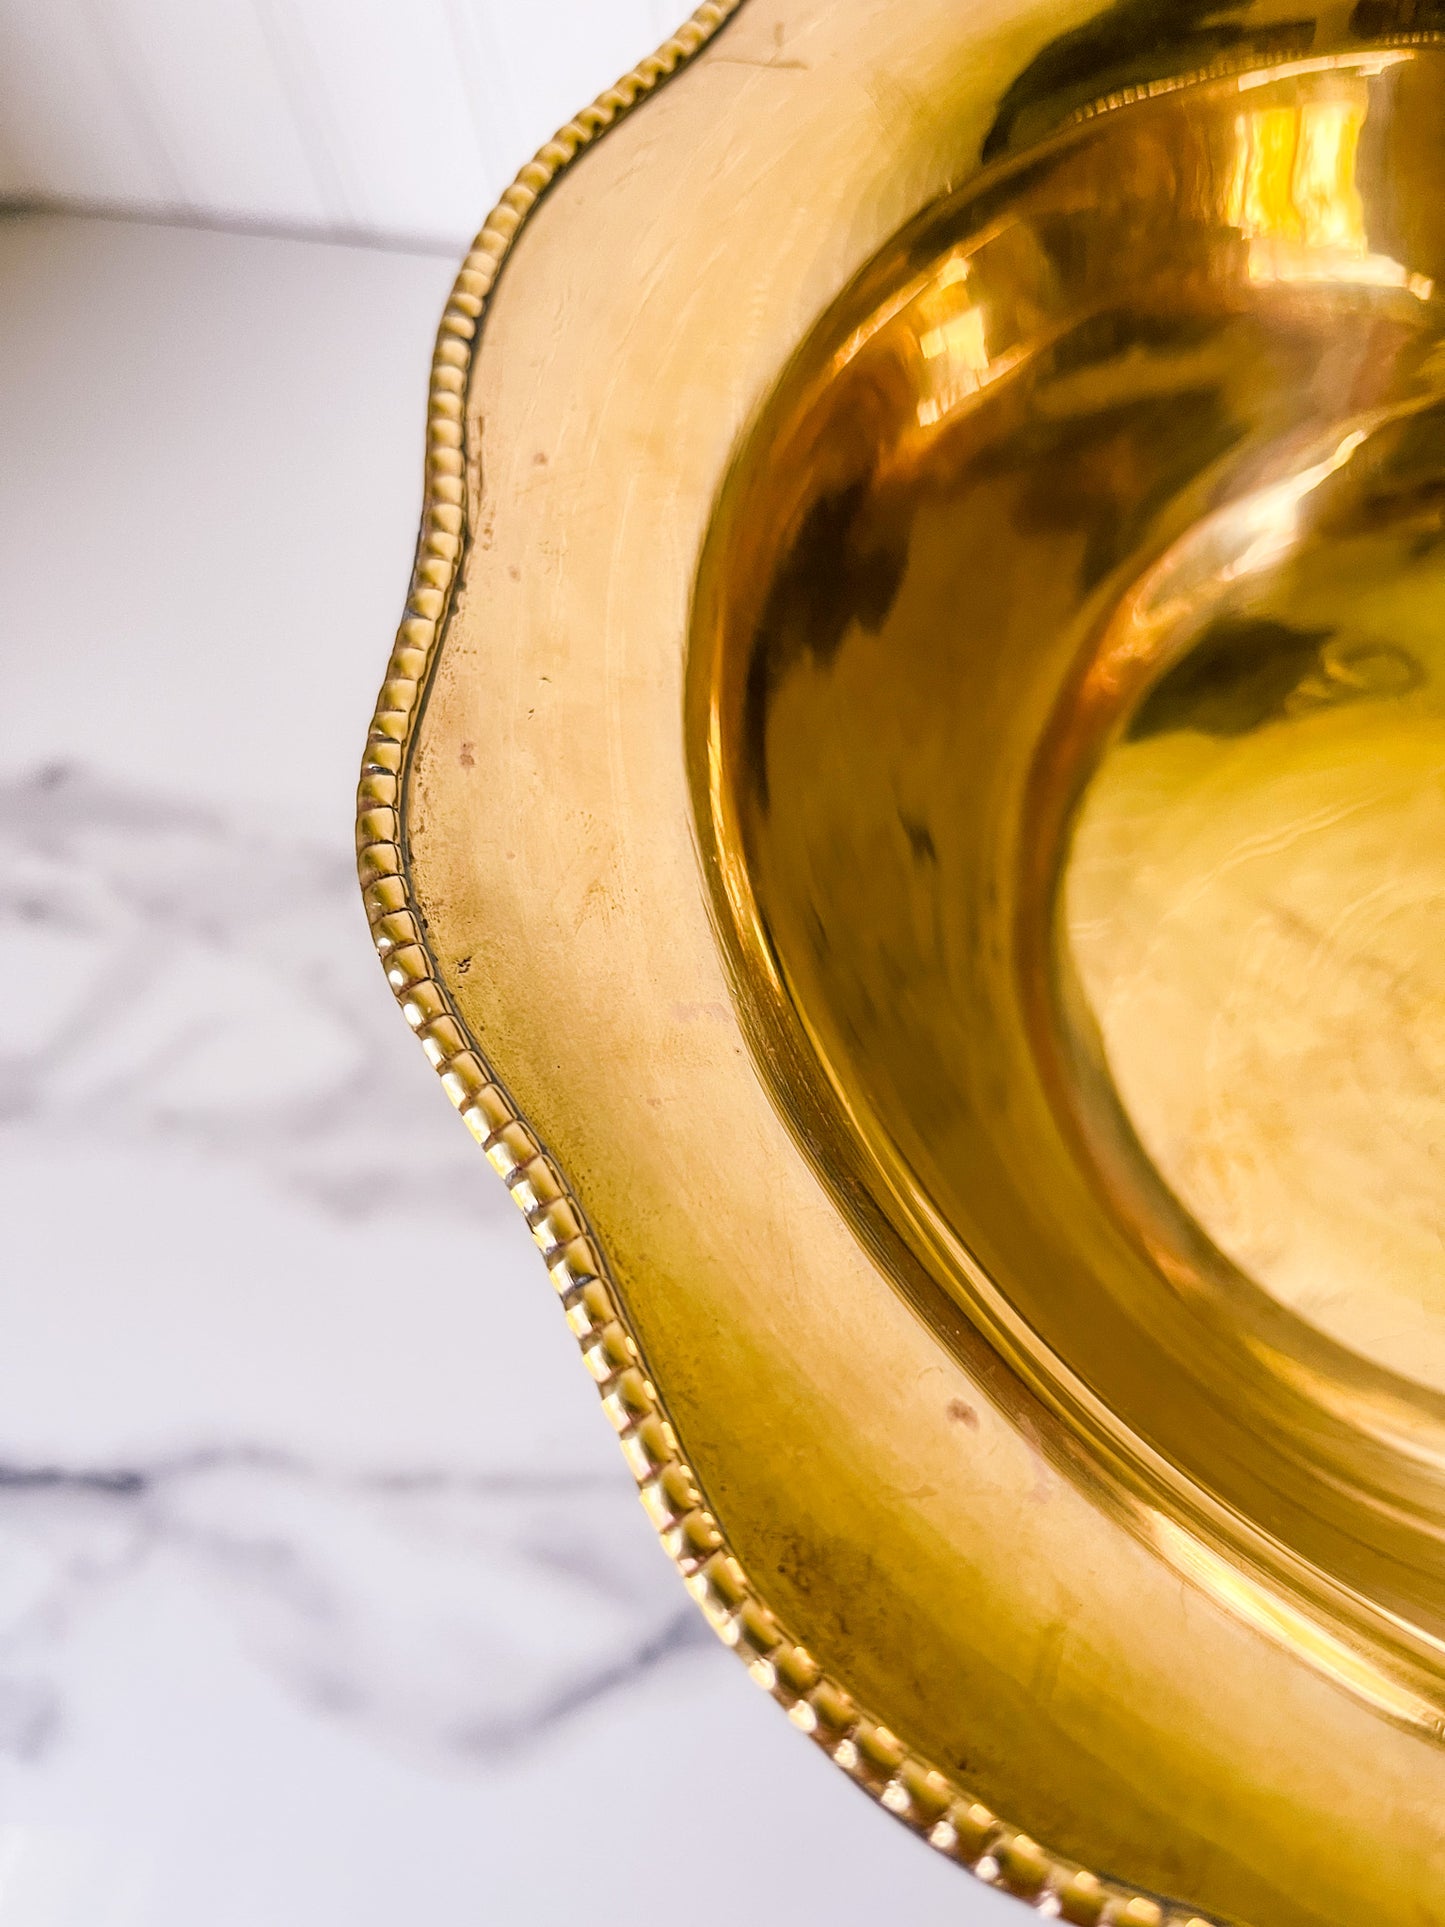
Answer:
[(455, 1618), (454, 1613), (175, 977)]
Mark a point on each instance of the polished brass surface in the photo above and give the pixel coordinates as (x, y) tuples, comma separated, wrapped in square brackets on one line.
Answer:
[(1068, 730), (995, 1188)]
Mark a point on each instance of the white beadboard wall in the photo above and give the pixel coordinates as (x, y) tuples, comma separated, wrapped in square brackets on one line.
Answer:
[(400, 120)]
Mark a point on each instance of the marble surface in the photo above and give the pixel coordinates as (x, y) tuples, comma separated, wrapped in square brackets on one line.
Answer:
[(324, 1594)]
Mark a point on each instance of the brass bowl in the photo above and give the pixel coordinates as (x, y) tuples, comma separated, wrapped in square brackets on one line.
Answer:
[(998, 1188)]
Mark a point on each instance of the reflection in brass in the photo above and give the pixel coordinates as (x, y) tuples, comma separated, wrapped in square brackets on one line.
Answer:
[(977, 479)]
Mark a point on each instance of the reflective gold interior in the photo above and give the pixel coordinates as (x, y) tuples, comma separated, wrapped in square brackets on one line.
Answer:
[(1067, 725)]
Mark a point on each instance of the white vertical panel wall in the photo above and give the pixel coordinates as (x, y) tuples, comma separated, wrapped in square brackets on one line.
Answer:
[(401, 119)]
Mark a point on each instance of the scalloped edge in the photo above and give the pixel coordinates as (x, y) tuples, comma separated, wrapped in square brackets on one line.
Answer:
[(928, 1801)]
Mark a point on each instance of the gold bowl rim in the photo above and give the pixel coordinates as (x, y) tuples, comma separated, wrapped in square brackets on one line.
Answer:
[(930, 1799)]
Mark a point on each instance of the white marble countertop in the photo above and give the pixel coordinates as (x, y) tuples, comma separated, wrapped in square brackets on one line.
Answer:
[(291, 1429)]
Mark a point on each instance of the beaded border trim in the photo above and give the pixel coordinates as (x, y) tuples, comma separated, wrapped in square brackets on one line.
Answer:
[(928, 1801)]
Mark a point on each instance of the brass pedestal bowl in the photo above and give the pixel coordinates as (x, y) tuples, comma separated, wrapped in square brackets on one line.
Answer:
[(916, 839)]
